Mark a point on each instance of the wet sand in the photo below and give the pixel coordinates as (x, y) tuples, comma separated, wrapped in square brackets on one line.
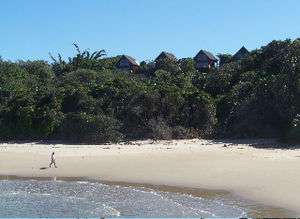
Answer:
[(267, 177)]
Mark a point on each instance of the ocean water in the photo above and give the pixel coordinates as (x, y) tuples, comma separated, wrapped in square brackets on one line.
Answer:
[(33, 198)]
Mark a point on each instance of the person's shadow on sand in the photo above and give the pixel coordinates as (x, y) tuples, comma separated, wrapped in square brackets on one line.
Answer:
[(44, 168)]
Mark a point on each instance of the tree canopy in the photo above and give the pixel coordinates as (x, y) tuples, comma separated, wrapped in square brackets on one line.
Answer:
[(85, 98)]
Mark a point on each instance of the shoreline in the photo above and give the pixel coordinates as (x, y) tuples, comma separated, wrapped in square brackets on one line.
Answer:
[(254, 210), (269, 177)]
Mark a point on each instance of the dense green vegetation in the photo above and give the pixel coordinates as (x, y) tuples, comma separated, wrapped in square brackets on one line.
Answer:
[(86, 99)]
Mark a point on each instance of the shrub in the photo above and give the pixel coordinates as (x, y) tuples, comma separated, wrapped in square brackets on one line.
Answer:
[(179, 132), (84, 128), (293, 134), (199, 113), (159, 129)]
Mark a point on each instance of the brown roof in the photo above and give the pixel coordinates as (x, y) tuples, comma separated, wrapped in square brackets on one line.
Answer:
[(208, 54), (167, 55), (241, 53), (130, 59)]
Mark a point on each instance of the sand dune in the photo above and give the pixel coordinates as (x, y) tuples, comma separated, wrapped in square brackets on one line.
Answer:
[(269, 176)]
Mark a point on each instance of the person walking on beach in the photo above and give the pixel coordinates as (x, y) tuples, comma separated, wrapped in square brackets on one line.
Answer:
[(52, 160)]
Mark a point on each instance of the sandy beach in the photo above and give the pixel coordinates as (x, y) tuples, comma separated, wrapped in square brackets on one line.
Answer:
[(266, 176)]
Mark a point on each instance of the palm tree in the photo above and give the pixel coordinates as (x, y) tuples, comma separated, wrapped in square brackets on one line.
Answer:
[(83, 59)]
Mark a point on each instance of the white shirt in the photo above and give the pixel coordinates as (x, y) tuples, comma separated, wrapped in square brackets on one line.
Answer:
[(52, 157)]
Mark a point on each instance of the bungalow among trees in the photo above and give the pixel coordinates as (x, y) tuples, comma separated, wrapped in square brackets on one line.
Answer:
[(242, 53), (205, 60), (128, 63), (85, 99), (166, 56)]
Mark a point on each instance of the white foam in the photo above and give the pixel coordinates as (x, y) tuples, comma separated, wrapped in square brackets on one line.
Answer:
[(85, 198), (114, 211)]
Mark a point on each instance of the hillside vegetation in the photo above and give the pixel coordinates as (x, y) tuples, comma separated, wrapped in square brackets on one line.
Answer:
[(86, 99)]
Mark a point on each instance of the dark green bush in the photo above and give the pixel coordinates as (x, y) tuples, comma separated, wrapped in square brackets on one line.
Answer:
[(158, 129), (84, 128), (179, 132), (293, 133)]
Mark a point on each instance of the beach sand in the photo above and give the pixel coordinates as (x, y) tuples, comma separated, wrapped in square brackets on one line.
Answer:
[(266, 176)]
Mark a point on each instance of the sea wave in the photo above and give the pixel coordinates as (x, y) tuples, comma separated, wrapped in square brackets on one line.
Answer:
[(83, 198)]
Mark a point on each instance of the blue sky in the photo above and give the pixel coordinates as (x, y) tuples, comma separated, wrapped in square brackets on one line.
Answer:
[(142, 28)]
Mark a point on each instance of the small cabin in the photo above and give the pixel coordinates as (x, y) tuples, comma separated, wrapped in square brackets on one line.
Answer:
[(205, 60), (166, 56), (128, 63), (242, 53)]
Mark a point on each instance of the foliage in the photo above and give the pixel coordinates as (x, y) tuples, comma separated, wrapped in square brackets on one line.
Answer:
[(83, 59), (86, 99), (293, 133), (224, 58), (82, 127)]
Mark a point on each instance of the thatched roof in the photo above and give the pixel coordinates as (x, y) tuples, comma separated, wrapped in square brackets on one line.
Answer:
[(166, 55), (241, 53), (130, 59), (208, 54)]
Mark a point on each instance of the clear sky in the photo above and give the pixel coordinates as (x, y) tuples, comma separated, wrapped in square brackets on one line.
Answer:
[(142, 28)]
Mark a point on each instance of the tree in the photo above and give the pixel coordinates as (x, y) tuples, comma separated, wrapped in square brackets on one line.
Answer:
[(224, 59), (83, 59)]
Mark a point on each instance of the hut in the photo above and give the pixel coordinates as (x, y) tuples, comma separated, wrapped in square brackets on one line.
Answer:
[(242, 53), (205, 60), (166, 56), (128, 63)]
